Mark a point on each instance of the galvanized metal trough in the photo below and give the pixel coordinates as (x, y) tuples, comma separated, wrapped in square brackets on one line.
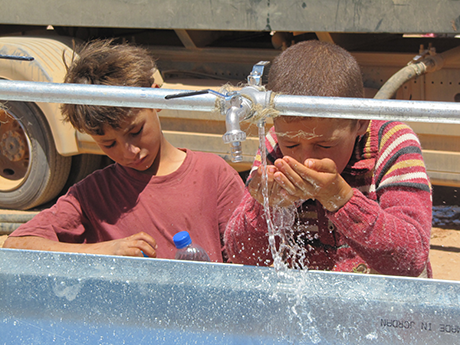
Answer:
[(60, 298)]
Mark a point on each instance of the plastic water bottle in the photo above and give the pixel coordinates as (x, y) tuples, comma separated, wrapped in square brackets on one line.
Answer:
[(186, 250)]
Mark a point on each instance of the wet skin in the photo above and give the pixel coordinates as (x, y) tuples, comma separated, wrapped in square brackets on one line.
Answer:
[(315, 152)]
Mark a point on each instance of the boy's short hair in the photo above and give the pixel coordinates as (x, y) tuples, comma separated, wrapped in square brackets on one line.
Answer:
[(101, 62), (314, 68)]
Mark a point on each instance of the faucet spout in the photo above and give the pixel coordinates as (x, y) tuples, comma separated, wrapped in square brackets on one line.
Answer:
[(240, 107), (238, 110)]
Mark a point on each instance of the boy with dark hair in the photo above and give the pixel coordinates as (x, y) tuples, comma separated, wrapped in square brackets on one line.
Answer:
[(360, 188), (153, 190)]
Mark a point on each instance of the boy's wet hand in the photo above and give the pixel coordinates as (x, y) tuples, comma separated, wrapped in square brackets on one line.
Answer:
[(294, 178), (276, 195), (314, 179)]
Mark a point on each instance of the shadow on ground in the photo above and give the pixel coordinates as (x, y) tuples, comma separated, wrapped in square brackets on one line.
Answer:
[(446, 209)]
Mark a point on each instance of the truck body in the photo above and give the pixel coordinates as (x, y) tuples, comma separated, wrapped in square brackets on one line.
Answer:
[(202, 45)]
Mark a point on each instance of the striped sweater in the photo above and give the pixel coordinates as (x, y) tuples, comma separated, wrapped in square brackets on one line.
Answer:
[(384, 228)]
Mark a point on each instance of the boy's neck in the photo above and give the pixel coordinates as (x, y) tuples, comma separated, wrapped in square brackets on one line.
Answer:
[(168, 160)]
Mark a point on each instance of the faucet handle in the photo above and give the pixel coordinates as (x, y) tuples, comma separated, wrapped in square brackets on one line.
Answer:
[(196, 93), (17, 57), (255, 77)]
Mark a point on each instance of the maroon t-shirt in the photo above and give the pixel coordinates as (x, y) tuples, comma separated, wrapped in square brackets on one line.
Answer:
[(117, 202)]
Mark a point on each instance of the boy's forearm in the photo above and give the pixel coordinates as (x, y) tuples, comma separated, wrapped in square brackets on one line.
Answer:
[(40, 243), (30, 242)]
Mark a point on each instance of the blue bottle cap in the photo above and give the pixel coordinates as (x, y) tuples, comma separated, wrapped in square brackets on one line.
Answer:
[(182, 239)]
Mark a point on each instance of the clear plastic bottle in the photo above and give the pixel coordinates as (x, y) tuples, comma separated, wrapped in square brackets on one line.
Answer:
[(186, 250)]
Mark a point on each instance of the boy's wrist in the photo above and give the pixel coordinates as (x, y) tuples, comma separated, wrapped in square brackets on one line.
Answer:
[(339, 200)]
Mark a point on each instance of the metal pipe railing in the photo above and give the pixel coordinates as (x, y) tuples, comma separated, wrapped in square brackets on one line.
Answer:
[(363, 108), (352, 108), (119, 96)]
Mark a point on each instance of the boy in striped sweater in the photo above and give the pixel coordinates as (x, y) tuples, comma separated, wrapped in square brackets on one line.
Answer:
[(359, 187)]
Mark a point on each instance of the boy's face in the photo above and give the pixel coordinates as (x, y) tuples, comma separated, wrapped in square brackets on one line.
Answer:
[(319, 138), (136, 144)]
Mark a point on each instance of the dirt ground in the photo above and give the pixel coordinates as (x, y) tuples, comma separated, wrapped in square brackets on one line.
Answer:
[(444, 253)]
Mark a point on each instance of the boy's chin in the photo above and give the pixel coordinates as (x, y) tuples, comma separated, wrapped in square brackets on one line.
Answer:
[(142, 167)]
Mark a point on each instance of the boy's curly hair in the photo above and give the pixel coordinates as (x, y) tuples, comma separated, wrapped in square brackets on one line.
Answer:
[(101, 62)]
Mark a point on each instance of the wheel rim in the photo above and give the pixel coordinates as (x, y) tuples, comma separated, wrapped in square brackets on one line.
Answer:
[(14, 152)]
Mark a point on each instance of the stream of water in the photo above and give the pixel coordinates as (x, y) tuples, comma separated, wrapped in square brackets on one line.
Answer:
[(280, 222)]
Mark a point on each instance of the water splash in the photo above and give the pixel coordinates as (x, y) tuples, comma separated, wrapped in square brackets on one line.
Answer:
[(286, 252), (274, 231)]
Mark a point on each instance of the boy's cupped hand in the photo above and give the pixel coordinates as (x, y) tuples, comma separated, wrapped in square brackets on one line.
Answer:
[(277, 196), (290, 181)]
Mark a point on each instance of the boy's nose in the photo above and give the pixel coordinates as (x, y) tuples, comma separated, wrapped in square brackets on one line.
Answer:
[(305, 154), (308, 153), (131, 150)]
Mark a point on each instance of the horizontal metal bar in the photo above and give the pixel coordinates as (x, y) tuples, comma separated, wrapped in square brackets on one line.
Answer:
[(350, 108), (119, 96), (363, 108)]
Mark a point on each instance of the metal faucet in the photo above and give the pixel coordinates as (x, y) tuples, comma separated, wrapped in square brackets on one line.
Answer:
[(238, 106)]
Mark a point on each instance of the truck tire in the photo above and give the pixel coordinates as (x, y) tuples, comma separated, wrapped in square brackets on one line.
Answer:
[(39, 173), (32, 172), (82, 166)]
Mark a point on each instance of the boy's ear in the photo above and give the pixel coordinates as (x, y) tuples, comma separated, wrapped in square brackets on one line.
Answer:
[(362, 126), (156, 86)]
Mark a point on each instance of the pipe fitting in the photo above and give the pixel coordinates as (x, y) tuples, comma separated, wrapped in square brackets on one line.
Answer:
[(258, 96)]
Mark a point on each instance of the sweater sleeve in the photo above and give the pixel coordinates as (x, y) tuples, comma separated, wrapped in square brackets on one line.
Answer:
[(246, 236), (392, 238), (392, 233)]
